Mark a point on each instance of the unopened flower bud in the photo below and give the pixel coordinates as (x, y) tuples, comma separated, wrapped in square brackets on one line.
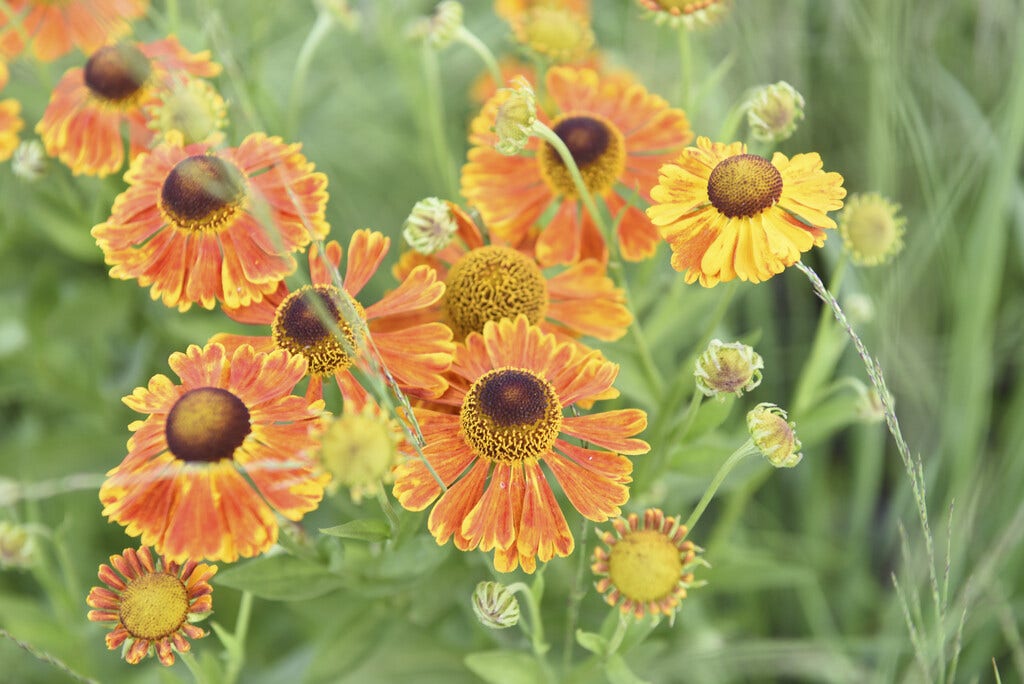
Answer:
[(441, 28), (29, 161), (515, 119), (17, 549), (728, 368), (773, 111), (495, 606), (774, 436), (430, 226), (872, 229)]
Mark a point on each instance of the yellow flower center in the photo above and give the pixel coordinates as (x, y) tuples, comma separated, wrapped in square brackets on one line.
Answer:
[(202, 193), (358, 450), (307, 323), (116, 73), (598, 148), (871, 229), (744, 185), (207, 424), (555, 32), (193, 108), (645, 566), (511, 415), (154, 606), (491, 283)]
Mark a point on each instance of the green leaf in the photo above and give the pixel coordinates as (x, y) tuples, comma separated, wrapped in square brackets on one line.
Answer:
[(619, 673), (595, 643), (505, 667), (369, 529), (281, 578)]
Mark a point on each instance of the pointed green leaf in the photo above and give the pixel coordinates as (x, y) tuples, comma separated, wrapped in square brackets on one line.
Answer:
[(281, 578), (369, 529)]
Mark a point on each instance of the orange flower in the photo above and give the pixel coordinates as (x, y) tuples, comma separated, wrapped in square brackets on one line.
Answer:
[(153, 605), (727, 214), (488, 282), (510, 386), (54, 28), (416, 355), (618, 133), (217, 455), (192, 223), (82, 123)]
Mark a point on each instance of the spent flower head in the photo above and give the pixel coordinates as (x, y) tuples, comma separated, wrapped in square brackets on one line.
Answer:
[(29, 161), (773, 435), (441, 28), (17, 547), (872, 229), (516, 116), (728, 368), (773, 111), (495, 605), (430, 226)]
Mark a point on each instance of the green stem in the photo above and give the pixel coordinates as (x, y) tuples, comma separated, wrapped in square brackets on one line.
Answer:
[(576, 592), (389, 510), (685, 69), (535, 631), (190, 662), (435, 114), (615, 642), (173, 16), (237, 655), (468, 38), (321, 27), (818, 364), (745, 450)]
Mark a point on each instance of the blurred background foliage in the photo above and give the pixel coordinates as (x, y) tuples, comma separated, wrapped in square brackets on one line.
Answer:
[(920, 100)]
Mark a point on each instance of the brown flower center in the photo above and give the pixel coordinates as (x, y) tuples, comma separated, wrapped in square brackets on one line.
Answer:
[(598, 148), (309, 321), (511, 415), (154, 606), (117, 72), (202, 193), (744, 185), (645, 565), (207, 424), (491, 283)]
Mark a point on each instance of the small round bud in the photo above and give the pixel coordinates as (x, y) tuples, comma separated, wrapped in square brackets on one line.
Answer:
[(773, 111), (728, 368), (29, 161), (872, 229), (495, 606), (430, 226), (17, 549), (773, 435), (516, 116)]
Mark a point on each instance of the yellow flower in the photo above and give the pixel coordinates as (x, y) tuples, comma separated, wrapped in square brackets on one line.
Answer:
[(872, 229)]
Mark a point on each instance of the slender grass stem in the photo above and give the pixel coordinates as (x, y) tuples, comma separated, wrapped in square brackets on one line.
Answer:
[(321, 27), (685, 69)]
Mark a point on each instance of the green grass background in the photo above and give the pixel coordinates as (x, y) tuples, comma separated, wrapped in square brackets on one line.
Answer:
[(920, 100)]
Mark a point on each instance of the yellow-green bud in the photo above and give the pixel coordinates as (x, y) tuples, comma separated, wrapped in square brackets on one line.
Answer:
[(872, 229), (773, 111), (728, 368), (359, 450), (29, 161), (495, 606), (773, 435), (442, 28), (17, 549), (516, 116), (430, 226)]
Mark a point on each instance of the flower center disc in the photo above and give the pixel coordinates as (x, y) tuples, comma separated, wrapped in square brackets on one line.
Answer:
[(207, 424), (872, 231), (744, 185), (154, 606), (202, 193), (597, 147), (491, 283), (116, 72), (645, 565), (511, 415), (556, 32), (307, 322)]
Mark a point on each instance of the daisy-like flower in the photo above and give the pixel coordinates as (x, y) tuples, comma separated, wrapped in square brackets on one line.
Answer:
[(727, 214), (152, 604), (416, 355), (557, 32), (510, 9), (872, 229), (688, 14), (510, 386), (217, 455), (489, 282), (618, 134), (200, 225), (82, 123), (647, 565), (53, 29)]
